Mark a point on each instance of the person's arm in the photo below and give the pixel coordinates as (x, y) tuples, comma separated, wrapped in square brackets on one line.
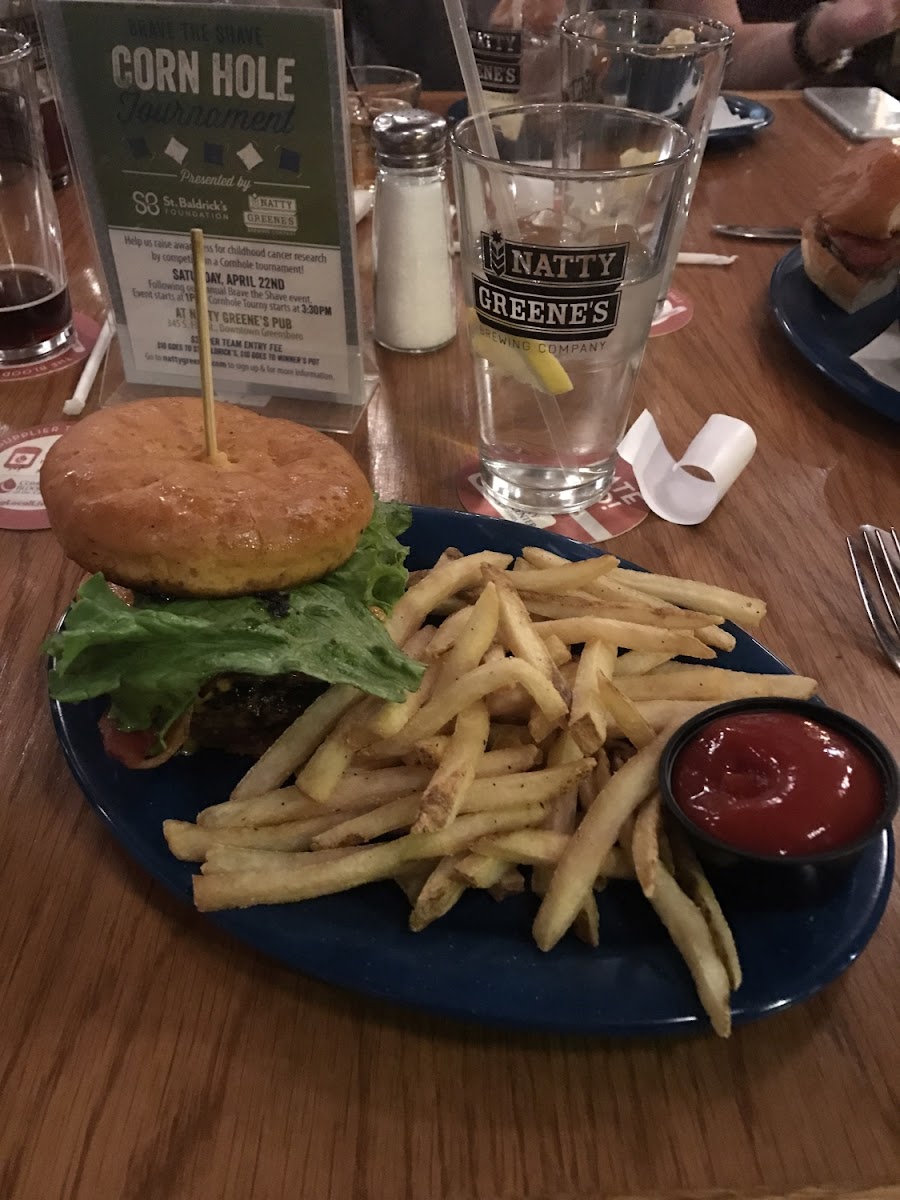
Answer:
[(763, 55)]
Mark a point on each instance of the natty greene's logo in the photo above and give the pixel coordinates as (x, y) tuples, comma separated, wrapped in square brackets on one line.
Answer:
[(562, 293), (498, 56)]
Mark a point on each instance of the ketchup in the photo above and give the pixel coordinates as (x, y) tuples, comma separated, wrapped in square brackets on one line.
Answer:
[(777, 783)]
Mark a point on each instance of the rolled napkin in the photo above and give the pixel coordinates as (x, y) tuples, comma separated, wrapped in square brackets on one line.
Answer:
[(691, 259), (721, 449)]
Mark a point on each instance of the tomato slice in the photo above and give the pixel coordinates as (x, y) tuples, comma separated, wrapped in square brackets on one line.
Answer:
[(134, 748)]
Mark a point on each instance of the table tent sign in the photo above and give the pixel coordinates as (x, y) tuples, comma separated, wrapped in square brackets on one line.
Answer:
[(230, 118)]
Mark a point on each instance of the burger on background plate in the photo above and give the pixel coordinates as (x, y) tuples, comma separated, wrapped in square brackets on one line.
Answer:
[(238, 587), (851, 247)]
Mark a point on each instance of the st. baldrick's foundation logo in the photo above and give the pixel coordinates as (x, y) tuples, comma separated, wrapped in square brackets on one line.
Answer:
[(561, 293)]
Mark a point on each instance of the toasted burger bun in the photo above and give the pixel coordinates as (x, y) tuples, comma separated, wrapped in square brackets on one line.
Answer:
[(850, 292), (129, 492), (864, 196)]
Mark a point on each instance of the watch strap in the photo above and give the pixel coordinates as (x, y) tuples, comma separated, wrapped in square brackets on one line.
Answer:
[(802, 56)]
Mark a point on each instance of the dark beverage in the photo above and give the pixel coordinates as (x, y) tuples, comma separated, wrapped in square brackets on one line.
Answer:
[(35, 313)]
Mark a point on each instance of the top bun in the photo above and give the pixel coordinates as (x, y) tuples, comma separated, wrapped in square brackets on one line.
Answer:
[(864, 196), (129, 492)]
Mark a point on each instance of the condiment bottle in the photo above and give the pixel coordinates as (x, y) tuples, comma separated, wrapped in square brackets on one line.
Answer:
[(415, 304)]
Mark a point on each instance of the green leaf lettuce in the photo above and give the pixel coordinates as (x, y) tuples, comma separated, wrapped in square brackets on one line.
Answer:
[(153, 657)]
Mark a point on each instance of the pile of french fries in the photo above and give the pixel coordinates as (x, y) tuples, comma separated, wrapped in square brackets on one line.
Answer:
[(516, 751)]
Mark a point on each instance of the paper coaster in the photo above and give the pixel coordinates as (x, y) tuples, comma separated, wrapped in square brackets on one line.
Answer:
[(678, 310), (22, 454), (621, 510), (85, 333)]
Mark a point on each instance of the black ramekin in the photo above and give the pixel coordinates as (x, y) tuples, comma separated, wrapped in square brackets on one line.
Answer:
[(721, 853)]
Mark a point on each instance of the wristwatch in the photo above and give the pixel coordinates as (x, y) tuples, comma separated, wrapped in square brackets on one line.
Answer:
[(802, 56)]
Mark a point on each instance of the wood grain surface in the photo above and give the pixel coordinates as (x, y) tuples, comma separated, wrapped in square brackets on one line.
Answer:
[(145, 1056)]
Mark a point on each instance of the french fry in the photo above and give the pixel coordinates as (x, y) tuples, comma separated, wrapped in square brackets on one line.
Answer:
[(578, 604), (692, 880), (658, 713), (543, 847), (451, 554), (745, 610), (269, 808), (544, 560), (303, 880), (475, 639), (244, 858), (624, 712), (516, 629), (714, 684), (448, 632), (618, 591), (438, 894), (639, 662), (191, 843), (456, 770), (592, 841), (363, 787), (645, 844), (690, 933), (569, 577), (590, 785), (439, 584), (558, 650), (624, 633), (493, 762), (365, 724), (474, 686), (363, 827), (297, 742), (586, 925), (518, 634), (496, 793), (481, 871), (390, 717), (596, 663)]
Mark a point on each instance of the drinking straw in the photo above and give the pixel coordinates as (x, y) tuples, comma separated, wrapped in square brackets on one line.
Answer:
[(506, 213), (74, 406)]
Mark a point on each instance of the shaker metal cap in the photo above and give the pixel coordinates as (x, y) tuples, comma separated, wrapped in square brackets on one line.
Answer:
[(409, 137)]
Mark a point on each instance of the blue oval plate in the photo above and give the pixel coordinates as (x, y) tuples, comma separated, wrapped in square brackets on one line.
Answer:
[(756, 117), (827, 336), (479, 962)]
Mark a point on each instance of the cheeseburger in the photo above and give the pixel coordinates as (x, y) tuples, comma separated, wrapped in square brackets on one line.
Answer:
[(219, 591), (851, 247)]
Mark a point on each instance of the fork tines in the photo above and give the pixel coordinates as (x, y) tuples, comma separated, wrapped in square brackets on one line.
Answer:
[(880, 563)]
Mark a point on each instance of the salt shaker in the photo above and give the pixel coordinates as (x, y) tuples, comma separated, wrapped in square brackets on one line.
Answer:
[(415, 305)]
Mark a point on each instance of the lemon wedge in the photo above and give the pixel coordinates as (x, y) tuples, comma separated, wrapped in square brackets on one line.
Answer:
[(526, 361)]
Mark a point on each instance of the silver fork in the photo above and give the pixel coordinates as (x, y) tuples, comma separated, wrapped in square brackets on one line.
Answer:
[(883, 555)]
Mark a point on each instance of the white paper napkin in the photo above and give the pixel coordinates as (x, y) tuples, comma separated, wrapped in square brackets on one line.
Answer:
[(362, 202), (724, 118), (721, 449), (881, 358)]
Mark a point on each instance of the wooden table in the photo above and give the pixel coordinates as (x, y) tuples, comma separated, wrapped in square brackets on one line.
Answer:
[(144, 1056)]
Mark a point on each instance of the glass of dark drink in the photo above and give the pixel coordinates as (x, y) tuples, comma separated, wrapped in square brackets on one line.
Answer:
[(35, 310)]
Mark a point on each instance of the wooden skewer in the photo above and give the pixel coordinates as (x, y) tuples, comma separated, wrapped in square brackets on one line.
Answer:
[(201, 305)]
